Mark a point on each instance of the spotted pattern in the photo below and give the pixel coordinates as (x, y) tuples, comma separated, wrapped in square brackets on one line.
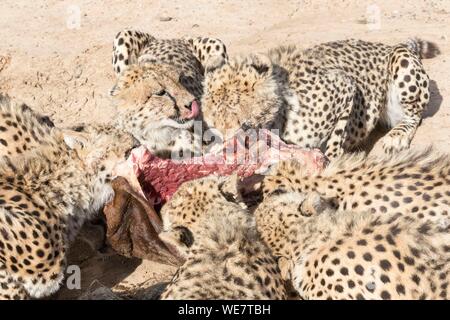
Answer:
[(45, 196), (225, 258), (331, 95), (158, 80), (21, 129), (188, 55), (413, 182), (333, 254)]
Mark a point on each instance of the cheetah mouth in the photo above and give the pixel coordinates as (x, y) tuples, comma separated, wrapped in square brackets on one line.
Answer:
[(194, 110), (188, 116), (182, 121)]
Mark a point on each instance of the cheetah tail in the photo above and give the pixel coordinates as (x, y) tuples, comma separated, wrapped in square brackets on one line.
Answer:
[(423, 48)]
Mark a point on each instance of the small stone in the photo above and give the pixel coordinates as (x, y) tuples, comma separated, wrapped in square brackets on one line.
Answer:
[(4, 61), (98, 291), (195, 26), (362, 20), (77, 72), (153, 292), (165, 19)]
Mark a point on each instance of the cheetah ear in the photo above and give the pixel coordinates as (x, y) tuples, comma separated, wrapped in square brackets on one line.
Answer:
[(114, 91), (127, 78), (214, 63), (229, 188), (179, 237), (74, 139), (315, 204), (262, 64), (118, 87), (285, 265), (47, 121)]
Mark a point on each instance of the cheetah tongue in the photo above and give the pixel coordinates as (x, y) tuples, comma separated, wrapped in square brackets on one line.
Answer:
[(195, 110)]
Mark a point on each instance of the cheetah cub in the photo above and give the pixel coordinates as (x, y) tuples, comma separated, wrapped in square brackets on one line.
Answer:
[(329, 96), (413, 183), (225, 258), (46, 195), (329, 254), (159, 84)]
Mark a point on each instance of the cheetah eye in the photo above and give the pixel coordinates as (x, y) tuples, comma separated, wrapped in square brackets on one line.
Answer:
[(161, 93)]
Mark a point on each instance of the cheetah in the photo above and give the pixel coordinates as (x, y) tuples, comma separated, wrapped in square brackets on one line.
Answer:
[(153, 116), (412, 182), (46, 194), (329, 254), (21, 129), (159, 84), (188, 55), (330, 96), (224, 256)]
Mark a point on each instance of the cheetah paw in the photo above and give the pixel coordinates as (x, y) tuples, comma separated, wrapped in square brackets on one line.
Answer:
[(392, 144)]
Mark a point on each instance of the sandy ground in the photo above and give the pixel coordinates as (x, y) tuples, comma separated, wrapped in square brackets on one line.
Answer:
[(55, 55)]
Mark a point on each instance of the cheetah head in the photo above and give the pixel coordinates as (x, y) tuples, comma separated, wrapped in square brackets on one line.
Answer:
[(283, 177), (190, 206), (284, 217), (100, 148), (153, 93), (240, 93)]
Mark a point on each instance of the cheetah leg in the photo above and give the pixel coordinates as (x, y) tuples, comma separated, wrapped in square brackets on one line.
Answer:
[(10, 289), (339, 135), (408, 96), (206, 48), (322, 115), (127, 47), (342, 108), (399, 138)]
